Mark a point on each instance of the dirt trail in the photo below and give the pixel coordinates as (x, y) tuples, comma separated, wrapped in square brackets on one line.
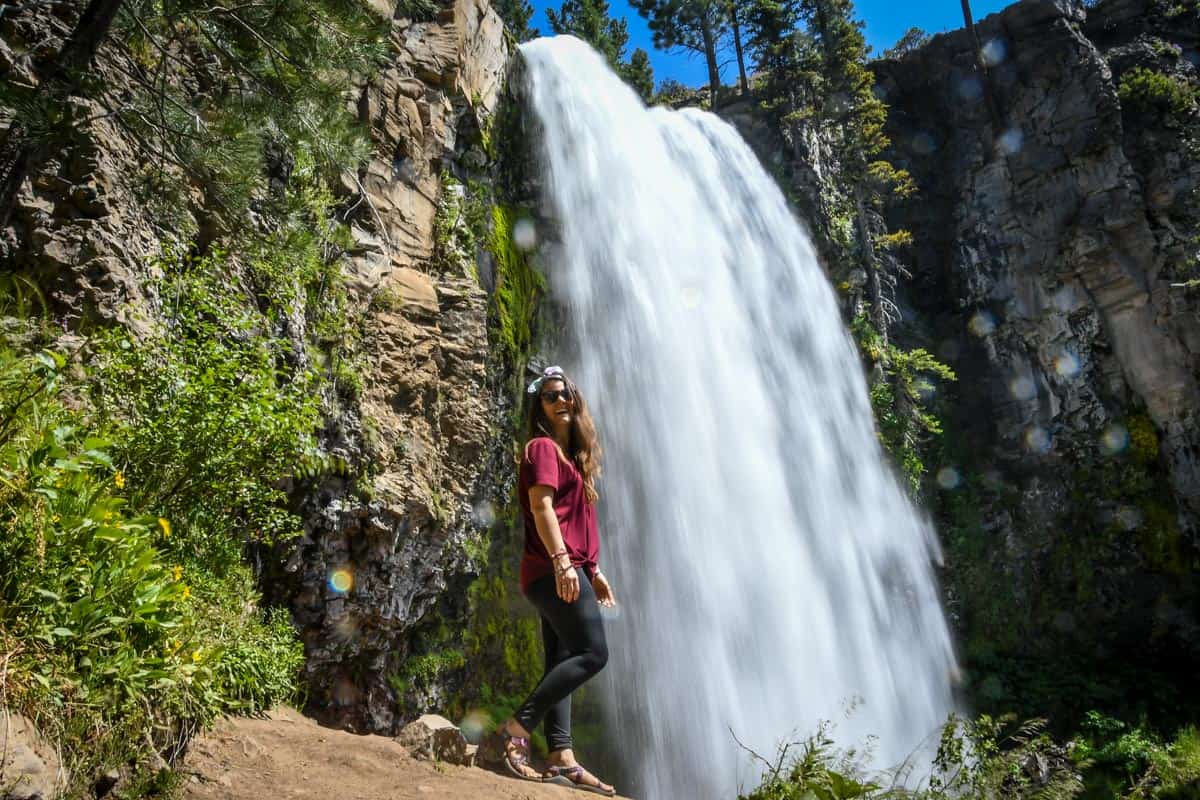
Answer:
[(288, 755)]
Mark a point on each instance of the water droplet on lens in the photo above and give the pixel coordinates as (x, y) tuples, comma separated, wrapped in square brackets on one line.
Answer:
[(1066, 364), (948, 478), (1129, 517), (982, 323), (1114, 440), (1022, 387), (923, 143), (525, 234), (969, 88), (1037, 440), (484, 514), (1066, 299), (475, 725), (993, 480), (1011, 142), (994, 52)]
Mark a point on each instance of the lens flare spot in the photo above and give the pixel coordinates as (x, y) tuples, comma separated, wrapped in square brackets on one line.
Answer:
[(981, 323), (346, 629), (1037, 440), (949, 350), (689, 296), (923, 143), (475, 725), (1114, 440), (948, 478), (969, 88), (1022, 387), (341, 580), (1066, 364), (1129, 517), (1010, 142), (611, 612), (1066, 299), (994, 52), (484, 514), (524, 234)]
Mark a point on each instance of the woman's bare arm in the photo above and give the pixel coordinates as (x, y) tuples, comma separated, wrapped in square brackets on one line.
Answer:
[(541, 503)]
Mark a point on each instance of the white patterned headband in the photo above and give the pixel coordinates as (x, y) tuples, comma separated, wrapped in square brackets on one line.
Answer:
[(547, 374)]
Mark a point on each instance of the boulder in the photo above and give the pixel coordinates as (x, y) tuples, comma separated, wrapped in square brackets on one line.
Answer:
[(30, 768), (435, 737)]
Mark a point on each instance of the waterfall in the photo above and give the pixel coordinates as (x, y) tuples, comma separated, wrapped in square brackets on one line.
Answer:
[(770, 570)]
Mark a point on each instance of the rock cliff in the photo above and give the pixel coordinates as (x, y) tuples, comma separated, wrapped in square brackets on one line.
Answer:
[(388, 540), (1049, 269)]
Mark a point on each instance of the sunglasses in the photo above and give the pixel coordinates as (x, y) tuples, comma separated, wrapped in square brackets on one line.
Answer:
[(552, 396)]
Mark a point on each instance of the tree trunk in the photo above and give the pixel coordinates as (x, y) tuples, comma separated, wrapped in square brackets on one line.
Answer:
[(710, 56), (19, 154), (874, 284), (737, 45), (985, 79)]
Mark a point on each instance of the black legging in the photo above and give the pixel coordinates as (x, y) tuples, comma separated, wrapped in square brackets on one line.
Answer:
[(573, 636)]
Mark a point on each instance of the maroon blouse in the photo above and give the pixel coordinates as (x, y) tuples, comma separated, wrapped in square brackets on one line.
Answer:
[(542, 466)]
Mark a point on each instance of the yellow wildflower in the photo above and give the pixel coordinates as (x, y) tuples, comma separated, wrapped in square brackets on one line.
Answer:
[(166, 527), (195, 656), (119, 480), (55, 518), (187, 592), (177, 572)]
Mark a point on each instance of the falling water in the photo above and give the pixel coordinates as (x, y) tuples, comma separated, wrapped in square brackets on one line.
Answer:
[(770, 570)]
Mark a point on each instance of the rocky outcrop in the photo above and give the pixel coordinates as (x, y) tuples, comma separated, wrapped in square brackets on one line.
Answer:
[(368, 569), (386, 543), (1047, 271)]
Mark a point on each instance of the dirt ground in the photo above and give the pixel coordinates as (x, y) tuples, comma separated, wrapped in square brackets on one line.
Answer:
[(288, 755)]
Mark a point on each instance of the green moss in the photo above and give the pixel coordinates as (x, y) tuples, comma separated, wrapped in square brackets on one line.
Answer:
[(519, 289), (1143, 439)]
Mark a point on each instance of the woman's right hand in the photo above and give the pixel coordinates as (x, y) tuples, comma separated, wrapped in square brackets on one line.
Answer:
[(566, 579)]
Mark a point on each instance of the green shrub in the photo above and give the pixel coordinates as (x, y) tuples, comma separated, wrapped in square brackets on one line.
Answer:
[(206, 419), (1148, 91), (97, 626)]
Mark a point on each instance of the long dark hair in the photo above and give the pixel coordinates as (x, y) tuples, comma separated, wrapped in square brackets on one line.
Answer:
[(583, 446)]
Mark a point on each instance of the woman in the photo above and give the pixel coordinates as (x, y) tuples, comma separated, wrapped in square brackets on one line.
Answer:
[(560, 574)]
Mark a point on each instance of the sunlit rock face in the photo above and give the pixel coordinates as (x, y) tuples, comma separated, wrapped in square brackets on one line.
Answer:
[(368, 571), (371, 564), (1044, 264)]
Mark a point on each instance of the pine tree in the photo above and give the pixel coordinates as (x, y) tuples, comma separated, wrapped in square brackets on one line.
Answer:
[(639, 74), (696, 25), (591, 21), (516, 15), (735, 25), (258, 78)]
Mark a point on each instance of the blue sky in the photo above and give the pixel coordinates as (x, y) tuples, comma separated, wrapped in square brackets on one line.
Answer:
[(887, 20)]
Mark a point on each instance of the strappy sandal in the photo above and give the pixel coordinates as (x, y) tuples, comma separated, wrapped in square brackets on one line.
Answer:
[(516, 756), (576, 777)]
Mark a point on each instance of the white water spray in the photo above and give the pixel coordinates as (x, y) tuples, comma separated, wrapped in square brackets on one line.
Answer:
[(770, 569)]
